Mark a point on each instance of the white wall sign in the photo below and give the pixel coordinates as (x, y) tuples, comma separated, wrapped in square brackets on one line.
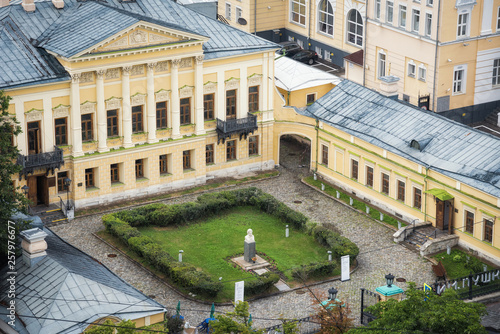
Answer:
[(344, 263), (239, 288)]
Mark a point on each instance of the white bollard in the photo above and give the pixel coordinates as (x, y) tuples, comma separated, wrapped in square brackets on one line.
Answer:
[(367, 209), (399, 225), (322, 187), (350, 201), (315, 177), (287, 232), (381, 216), (338, 194), (448, 250), (330, 256), (180, 255)]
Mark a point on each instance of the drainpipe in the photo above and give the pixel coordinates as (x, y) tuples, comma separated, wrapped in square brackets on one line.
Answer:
[(317, 144), (425, 189), (255, 18), (309, 32), (436, 57), (365, 33)]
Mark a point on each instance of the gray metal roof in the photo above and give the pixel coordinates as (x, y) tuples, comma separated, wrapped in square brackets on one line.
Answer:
[(68, 284), (453, 149), (79, 25)]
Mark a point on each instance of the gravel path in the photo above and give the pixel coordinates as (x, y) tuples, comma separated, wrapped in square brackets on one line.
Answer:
[(379, 255)]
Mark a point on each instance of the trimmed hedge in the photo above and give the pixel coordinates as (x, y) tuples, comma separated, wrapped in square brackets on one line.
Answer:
[(319, 269), (261, 284), (338, 244)]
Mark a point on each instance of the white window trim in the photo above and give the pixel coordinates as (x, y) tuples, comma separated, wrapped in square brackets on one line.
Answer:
[(381, 184), (326, 13), (236, 13), (426, 33), (468, 24), (483, 217), (413, 11), (298, 13), (419, 187), (497, 85), (430, 3), (422, 66), (399, 16), (228, 6), (464, 79), (411, 63), (351, 158), (354, 33), (387, 11), (372, 165), (377, 8), (379, 63)]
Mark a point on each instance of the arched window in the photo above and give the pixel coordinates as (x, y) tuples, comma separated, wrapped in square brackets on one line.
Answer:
[(325, 22), (354, 27)]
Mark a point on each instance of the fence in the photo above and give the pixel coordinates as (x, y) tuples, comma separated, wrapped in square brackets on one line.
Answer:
[(307, 325), (368, 298), (472, 286)]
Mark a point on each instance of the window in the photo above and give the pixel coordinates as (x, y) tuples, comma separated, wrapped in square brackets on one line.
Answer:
[(310, 98), (87, 128), (253, 145), (402, 16), (137, 119), (354, 28), (186, 160), (411, 69), (325, 22), (253, 98), (231, 104), (377, 9), (385, 183), (415, 20), (239, 13), (163, 164), (430, 3), (381, 63), (231, 150), (228, 11), (209, 154), (319, 51), (324, 155), (417, 198), (428, 24), (369, 176), (115, 173), (422, 72), (89, 178), (458, 81), (469, 222), (328, 56), (354, 169), (60, 181), (298, 11), (208, 106), (161, 115), (488, 230), (300, 43), (401, 191), (185, 111), (463, 25), (389, 15), (498, 19), (495, 80), (112, 122), (60, 125), (139, 168)]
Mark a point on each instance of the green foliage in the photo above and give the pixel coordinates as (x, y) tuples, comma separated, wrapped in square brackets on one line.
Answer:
[(123, 327), (261, 283), (459, 264), (338, 244), (234, 322), (426, 312), (319, 269), (175, 324)]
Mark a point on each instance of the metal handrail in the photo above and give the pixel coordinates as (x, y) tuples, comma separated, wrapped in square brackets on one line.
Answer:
[(63, 206), (237, 123), (40, 159)]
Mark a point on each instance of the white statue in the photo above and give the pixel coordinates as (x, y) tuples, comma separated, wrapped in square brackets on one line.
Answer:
[(249, 237)]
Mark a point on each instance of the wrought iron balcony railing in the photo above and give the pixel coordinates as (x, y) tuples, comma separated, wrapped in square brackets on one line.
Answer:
[(241, 126), (48, 160)]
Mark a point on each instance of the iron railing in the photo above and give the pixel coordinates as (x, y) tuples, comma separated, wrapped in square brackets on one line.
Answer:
[(49, 160), (222, 19), (241, 126), (307, 325)]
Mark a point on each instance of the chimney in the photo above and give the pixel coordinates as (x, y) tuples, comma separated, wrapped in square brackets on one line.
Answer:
[(389, 86), (59, 4), (29, 5), (4, 3), (33, 246)]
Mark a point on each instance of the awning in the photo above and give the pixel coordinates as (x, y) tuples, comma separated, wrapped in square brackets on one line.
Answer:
[(440, 193)]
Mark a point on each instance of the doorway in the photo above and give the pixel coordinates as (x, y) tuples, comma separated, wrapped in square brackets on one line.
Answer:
[(38, 190), (444, 214)]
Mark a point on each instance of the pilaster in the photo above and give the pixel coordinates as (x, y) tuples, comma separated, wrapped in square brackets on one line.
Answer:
[(102, 134), (21, 138), (198, 90), (76, 118), (48, 126), (174, 84), (265, 83), (242, 110), (127, 110), (151, 106), (220, 112)]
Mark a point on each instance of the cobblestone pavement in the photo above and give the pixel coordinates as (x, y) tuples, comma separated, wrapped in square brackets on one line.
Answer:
[(379, 255)]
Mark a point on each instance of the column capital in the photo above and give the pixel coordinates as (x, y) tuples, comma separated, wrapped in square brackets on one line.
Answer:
[(176, 62), (199, 59), (75, 77), (152, 66), (126, 69), (100, 73)]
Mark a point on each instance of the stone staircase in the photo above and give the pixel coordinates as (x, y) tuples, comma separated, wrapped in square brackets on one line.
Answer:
[(50, 216), (492, 118)]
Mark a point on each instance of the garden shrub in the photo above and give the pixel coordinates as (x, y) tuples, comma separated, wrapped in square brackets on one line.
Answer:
[(261, 284), (338, 244), (474, 264), (318, 269)]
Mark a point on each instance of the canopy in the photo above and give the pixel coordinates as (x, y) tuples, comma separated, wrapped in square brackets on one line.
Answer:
[(440, 193)]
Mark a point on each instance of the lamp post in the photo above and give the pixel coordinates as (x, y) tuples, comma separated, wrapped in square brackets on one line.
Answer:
[(25, 190), (332, 293), (67, 183), (389, 279)]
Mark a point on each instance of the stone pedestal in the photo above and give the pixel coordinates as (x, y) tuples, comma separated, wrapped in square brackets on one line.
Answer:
[(249, 251), (389, 292)]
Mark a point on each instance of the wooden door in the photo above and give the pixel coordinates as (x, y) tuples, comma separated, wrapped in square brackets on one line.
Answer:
[(439, 214), (448, 216), (34, 142), (43, 190), (32, 183)]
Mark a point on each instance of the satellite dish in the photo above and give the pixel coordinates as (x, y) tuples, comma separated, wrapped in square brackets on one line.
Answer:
[(242, 21)]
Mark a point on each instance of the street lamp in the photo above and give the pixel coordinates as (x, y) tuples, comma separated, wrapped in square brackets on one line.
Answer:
[(25, 190), (389, 279), (332, 293), (67, 183)]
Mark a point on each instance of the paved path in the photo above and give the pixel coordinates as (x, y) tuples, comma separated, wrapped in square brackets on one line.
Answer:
[(378, 253)]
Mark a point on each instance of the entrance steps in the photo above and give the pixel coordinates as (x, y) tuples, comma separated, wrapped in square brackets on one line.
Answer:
[(50, 216), (425, 238)]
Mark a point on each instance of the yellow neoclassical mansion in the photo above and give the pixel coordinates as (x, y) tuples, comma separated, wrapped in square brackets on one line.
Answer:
[(133, 98)]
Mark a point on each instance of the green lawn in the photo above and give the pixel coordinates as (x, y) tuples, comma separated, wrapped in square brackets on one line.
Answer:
[(206, 244), (457, 265)]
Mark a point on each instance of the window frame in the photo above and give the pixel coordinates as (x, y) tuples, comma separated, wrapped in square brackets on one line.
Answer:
[(307, 98), (60, 138), (413, 66), (228, 11), (163, 164), (488, 230), (417, 198), (461, 82), (324, 154), (185, 111), (389, 5), (253, 145), (137, 119), (469, 221), (238, 13), (186, 160), (402, 9), (60, 181), (209, 154), (231, 104), (326, 19), (428, 24), (463, 27), (401, 190), (354, 169), (415, 20), (139, 169), (115, 173), (298, 17), (208, 107), (112, 130), (231, 150), (161, 115), (377, 9), (89, 178), (422, 72), (381, 63), (369, 170), (253, 99), (385, 184), (495, 75), (87, 127), (358, 39)]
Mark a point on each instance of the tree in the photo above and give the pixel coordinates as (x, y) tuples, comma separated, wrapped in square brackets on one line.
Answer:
[(426, 312), (234, 322), (334, 315), (109, 327), (11, 199)]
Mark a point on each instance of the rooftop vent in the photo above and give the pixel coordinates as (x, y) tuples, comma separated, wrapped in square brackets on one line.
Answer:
[(33, 245), (29, 5), (420, 144)]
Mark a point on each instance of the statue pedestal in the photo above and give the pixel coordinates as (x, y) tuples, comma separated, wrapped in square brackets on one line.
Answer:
[(249, 251)]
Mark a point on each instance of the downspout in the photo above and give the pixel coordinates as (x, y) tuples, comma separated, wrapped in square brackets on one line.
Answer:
[(425, 189), (317, 144), (436, 57), (288, 99), (364, 43), (309, 32), (255, 18)]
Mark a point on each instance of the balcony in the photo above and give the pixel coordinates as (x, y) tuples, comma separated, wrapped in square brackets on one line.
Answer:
[(240, 126), (48, 160)]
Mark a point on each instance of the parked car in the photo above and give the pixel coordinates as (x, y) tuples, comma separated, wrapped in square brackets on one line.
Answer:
[(289, 48), (306, 56)]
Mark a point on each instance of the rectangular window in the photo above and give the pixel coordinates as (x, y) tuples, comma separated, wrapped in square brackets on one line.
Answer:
[(115, 173), (488, 230), (389, 16), (139, 168), (324, 155), (161, 115), (186, 160), (60, 181), (385, 183), (401, 191), (498, 19), (298, 11), (137, 119), (495, 79), (231, 104), (462, 26), (428, 24), (416, 20), (87, 128), (253, 98), (369, 176), (354, 169), (185, 112), (253, 145), (228, 11), (60, 128), (310, 98), (209, 154), (112, 122), (411, 70), (377, 9), (208, 106), (381, 64), (231, 150), (417, 198), (89, 178), (430, 3), (458, 81), (422, 73), (402, 16), (239, 13), (469, 222), (163, 164)]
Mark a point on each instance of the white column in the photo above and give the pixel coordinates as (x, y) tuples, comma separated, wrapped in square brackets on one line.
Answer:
[(76, 117), (151, 103), (243, 105), (174, 84), (198, 91), (265, 84), (220, 113), (126, 108), (102, 133), (21, 138), (48, 126)]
